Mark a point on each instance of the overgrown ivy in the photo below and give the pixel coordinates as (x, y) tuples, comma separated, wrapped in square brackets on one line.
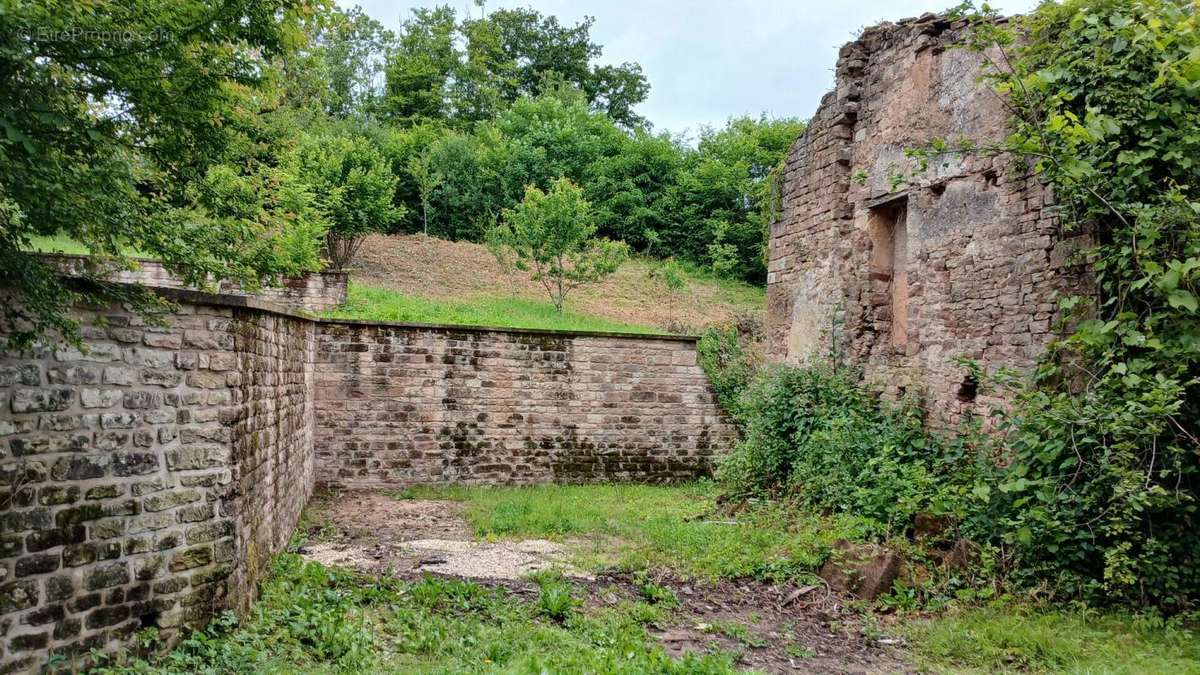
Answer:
[(1100, 496)]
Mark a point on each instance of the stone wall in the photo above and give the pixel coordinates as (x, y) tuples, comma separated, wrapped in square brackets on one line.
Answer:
[(900, 273), (311, 291), (145, 478), (398, 405)]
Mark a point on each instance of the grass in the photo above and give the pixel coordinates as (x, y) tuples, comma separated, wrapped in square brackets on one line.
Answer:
[(1010, 638), (314, 619), (58, 244), (378, 304), (637, 527)]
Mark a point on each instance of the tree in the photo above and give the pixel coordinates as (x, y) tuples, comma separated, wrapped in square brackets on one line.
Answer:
[(463, 73), (674, 282), (102, 134), (552, 235), (528, 53), (352, 48), (726, 194), (354, 184), (421, 67), (556, 135), (475, 183), (427, 180), (631, 188)]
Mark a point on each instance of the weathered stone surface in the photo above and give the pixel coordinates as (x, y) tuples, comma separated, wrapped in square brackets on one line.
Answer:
[(46, 539), (39, 563), (150, 480), (191, 558), (106, 575), (396, 406), (864, 570), (902, 278), (18, 595), (41, 400), (134, 463)]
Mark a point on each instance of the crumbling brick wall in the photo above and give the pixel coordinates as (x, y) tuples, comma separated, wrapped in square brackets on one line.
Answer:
[(403, 405), (902, 273)]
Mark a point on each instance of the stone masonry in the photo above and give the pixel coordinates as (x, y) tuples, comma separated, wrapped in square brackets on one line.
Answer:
[(311, 291), (147, 477), (400, 405), (903, 273)]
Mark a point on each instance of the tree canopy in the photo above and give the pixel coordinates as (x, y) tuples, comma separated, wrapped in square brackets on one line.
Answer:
[(249, 140)]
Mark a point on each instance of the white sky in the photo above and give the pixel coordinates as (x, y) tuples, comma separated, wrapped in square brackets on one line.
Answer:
[(708, 60)]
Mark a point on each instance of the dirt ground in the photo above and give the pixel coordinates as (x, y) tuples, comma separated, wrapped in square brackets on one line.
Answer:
[(433, 268), (775, 628)]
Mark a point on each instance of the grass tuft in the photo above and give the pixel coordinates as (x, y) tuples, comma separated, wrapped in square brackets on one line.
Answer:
[(1008, 638)]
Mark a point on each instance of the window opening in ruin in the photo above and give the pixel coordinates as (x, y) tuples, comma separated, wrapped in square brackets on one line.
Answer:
[(888, 225)]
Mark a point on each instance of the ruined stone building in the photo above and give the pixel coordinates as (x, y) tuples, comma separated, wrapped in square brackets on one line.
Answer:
[(902, 273)]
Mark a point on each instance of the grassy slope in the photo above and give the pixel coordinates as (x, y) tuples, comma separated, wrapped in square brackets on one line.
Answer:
[(378, 304), (420, 279), (61, 244), (461, 282)]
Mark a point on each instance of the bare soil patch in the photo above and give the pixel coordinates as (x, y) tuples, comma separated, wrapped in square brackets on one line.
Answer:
[(774, 628), (378, 534), (450, 271), (778, 628)]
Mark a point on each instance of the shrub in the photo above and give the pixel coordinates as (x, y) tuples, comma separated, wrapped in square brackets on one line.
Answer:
[(552, 235), (730, 361), (1102, 490), (354, 185), (814, 435)]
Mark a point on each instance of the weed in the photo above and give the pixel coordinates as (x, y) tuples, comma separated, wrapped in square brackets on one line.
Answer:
[(735, 631), (315, 619), (1006, 637), (658, 595), (799, 651), (640, 527)]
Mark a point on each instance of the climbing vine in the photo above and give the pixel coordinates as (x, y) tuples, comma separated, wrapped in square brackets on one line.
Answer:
[(1101, 493)]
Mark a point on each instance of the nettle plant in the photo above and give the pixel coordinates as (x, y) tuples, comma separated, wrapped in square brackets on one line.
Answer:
[(1101, 493)]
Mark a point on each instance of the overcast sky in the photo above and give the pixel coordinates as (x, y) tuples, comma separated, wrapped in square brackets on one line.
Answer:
[(708, 60)]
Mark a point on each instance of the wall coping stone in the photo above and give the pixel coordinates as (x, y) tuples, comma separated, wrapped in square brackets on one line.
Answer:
[(135, 258)]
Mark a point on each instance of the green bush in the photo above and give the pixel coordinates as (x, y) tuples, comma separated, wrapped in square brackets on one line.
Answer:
[(730, 363), (1100, 495), (815, 435), (353, 183)]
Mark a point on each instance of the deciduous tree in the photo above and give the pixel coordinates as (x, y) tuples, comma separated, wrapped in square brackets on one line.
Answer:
[(552, 235)]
